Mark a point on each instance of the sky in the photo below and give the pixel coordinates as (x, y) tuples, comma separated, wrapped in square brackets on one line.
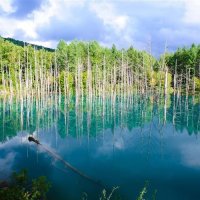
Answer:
[(144, 24)]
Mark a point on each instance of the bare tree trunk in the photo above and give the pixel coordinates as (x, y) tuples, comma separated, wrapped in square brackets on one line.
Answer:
[(175, 77), (166, 82), (89, 76)]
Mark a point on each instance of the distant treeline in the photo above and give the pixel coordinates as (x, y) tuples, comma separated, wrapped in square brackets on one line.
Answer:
[(184, 60), (22, 44), (88, 68)]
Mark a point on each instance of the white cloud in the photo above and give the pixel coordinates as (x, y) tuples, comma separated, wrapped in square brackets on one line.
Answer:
[(60, 9), (192, 13), (117, 23), (6, 6), (9, 26), (107, 13), (49, 44), (7, 29), (123, 22)]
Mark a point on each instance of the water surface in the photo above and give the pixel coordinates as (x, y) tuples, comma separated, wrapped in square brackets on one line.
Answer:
[(120, 141)]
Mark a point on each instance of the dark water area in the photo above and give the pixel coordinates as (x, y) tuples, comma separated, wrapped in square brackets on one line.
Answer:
[(120, 142)]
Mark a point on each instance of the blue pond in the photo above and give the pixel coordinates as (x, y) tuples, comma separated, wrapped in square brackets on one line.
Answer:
[(117, 141)]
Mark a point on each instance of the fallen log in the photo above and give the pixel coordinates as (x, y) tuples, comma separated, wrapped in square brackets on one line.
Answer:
[(66, 164)]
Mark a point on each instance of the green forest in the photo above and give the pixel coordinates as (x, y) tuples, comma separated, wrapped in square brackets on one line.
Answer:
[(80, 68)]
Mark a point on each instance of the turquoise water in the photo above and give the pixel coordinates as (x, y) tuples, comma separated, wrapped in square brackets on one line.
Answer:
[(120, 142)]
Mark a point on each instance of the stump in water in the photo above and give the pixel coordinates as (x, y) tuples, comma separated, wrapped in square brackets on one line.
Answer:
[(32, 139)]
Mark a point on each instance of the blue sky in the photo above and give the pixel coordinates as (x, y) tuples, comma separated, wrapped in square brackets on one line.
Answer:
[(141, 23)]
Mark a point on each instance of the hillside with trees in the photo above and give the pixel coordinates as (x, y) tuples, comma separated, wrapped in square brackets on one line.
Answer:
[(80, 68), (22, 44)]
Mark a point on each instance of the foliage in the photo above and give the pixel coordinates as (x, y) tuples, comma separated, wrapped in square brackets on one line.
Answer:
[(143, 192), (197, 83), (110, 196), (185, 59), (105, 196), (80, 61), (21, 189)]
